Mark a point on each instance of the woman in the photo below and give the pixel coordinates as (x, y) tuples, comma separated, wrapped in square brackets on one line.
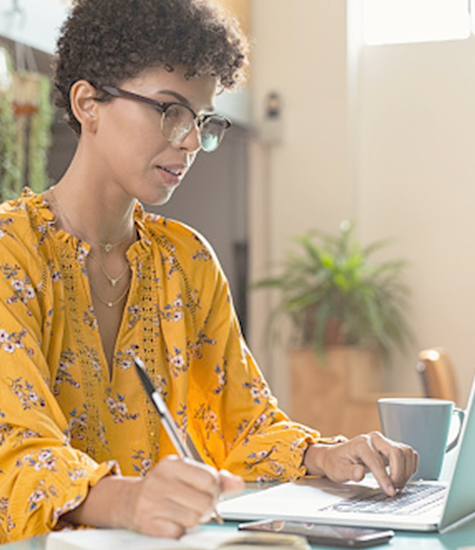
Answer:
[(89, 282)]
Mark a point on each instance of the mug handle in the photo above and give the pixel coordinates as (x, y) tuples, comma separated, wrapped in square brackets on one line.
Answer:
[(461, 415)]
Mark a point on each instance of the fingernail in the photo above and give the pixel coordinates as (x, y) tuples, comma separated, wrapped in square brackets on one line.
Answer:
[(205, 518), (390, 490)]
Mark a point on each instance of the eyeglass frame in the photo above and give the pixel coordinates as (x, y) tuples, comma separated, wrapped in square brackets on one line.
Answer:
[(162, 106)]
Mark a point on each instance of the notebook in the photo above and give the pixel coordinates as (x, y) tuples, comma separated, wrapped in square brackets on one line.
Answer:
[(421, 506), (195, 539)]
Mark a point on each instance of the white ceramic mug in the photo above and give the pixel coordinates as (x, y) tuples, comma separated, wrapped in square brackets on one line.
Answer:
[(424, 424)]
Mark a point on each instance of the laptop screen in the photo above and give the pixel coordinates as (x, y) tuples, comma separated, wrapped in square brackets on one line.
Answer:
[(460, 500)]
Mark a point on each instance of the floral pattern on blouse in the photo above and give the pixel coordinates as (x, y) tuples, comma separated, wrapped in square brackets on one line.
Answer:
[(66, 421)]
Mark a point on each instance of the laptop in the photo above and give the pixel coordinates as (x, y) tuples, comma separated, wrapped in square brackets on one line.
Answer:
[(420, 506)]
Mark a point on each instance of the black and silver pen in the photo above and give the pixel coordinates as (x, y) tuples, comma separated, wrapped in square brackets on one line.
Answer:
[(166, 418)]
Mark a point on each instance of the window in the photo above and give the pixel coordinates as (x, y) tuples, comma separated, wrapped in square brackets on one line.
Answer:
[(399, 21)]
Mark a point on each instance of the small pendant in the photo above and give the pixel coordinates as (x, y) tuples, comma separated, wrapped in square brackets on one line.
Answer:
[(108, 247), (110, 304), (113, 282)]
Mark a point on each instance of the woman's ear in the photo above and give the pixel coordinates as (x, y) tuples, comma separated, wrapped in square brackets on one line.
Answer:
[(83, 104)]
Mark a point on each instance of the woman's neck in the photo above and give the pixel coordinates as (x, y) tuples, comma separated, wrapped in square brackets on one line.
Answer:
[(93, 212)]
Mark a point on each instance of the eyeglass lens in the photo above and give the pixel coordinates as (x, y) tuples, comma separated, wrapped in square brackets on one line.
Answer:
[(178, 121)]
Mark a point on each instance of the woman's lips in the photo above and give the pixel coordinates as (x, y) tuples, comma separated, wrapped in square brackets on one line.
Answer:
[(175, 172), (171, 175)]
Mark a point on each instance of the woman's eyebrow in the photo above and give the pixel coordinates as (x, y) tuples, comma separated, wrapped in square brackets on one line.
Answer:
[(182, 99)]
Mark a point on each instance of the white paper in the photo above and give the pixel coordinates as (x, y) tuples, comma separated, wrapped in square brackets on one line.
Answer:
[(200, 538), (119, 539)]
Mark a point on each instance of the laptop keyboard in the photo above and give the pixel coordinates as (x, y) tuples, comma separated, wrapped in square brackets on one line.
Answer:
[(412, 499)]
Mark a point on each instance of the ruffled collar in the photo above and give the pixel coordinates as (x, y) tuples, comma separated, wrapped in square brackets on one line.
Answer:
[(39, 206)]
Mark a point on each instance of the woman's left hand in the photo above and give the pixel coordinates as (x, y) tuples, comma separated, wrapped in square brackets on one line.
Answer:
[(350, 460)]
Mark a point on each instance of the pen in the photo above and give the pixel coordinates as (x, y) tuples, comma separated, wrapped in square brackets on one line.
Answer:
[(166, 419)]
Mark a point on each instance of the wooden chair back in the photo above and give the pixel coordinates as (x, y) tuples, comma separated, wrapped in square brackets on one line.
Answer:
[(437, 374)]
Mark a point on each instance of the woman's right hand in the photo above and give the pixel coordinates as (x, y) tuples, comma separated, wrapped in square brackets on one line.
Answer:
[(175, 495)]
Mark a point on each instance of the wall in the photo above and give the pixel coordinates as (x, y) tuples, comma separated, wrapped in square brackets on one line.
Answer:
[(382, 135), (242, 9), (416, 177), (306, 181)]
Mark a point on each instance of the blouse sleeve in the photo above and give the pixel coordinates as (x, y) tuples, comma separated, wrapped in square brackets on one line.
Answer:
[(41, 475), (236, 421)]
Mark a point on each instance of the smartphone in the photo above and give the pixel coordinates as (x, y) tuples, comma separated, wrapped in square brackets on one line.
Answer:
[(318, 533)]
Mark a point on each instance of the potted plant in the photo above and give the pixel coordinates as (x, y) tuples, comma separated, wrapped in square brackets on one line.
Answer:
[(347, 314), (33, 110), (26, 116), (8, 169)]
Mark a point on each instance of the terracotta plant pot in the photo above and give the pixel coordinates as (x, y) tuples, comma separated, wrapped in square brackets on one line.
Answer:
[(337, 393)]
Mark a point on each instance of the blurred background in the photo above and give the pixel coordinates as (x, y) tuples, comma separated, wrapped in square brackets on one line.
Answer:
[(354, 110)]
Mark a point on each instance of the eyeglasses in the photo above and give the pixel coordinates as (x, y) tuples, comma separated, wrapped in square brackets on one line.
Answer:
[(178, 120)]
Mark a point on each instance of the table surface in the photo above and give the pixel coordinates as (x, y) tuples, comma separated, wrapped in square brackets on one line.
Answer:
[(461, 537)]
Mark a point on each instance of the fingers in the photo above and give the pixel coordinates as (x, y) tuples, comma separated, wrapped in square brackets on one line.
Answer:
[(375, 460), (192, 485), (376, 452), (175, 495), (401, 458), (372, 452)]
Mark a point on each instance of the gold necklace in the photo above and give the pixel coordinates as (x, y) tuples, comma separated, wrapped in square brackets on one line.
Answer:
[(106, 246), (114, 302), (112, 280)]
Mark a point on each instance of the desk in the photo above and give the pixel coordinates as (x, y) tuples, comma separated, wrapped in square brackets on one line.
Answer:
[(463, 536)]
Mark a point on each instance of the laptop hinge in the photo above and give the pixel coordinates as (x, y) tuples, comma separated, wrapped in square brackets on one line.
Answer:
[(456, 524)]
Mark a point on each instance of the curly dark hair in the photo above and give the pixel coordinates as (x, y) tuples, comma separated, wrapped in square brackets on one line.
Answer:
[(109, 41)]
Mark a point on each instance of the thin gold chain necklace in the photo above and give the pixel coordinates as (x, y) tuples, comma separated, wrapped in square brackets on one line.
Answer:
[(112, 280), (112, 303), (106, 246)]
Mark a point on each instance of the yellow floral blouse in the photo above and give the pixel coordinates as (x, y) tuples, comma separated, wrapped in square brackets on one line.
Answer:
[(65, 422)]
